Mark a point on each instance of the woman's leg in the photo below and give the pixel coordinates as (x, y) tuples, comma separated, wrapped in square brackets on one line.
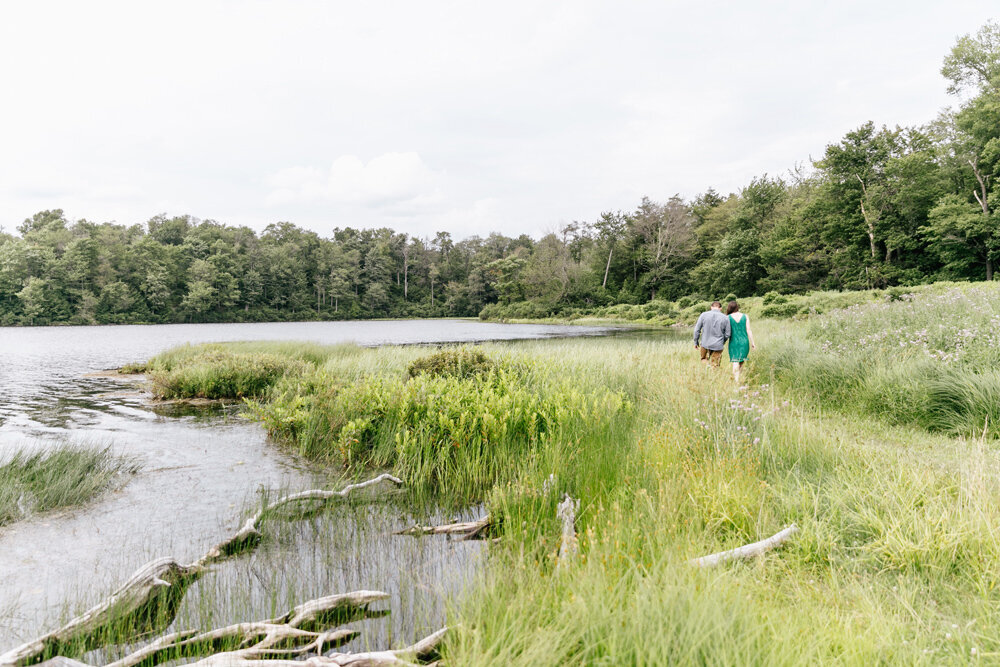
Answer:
[(736, 371)]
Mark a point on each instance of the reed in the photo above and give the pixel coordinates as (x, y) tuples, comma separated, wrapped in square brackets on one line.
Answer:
[(63, 476)]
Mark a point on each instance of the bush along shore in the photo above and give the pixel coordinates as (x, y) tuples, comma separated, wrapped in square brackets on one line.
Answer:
[(895, 550)]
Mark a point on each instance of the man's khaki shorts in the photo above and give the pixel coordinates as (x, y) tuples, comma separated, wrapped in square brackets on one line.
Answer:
[(712, 356)]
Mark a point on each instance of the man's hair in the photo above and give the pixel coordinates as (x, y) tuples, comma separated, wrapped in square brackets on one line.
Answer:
[(716, 304)]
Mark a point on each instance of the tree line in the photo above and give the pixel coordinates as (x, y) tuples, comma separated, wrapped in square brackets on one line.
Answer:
[(883, 206)]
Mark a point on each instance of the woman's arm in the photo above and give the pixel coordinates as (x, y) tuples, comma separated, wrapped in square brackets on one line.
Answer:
[(750, 333)]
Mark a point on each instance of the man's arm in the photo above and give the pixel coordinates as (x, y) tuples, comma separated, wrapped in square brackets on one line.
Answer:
[(697, 328), (727, 330)]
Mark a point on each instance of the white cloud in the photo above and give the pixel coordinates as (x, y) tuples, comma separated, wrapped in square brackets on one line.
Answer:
[(392, 180)]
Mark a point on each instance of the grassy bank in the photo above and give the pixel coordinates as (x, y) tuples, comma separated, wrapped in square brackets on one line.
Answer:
[(895, 561), (685, 311), (56, 478)]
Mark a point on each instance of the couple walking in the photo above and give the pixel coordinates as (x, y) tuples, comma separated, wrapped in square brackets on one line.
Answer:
[(714, 329)]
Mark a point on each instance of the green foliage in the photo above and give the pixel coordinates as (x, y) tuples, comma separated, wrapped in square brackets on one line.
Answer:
[(134, 368)]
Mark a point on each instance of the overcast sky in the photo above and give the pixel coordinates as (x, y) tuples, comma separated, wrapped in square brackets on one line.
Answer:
[(467, 117)]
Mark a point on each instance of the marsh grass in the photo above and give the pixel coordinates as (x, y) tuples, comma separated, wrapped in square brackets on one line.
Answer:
[(67, 475), (214, 372)]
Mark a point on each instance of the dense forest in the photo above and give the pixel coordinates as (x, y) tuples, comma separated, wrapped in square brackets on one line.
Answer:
[(883, 206)]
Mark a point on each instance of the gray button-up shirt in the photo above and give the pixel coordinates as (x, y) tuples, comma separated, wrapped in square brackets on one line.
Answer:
[(713, 330)]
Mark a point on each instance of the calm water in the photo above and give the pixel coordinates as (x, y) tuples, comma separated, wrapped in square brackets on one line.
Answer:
[(198, 474)]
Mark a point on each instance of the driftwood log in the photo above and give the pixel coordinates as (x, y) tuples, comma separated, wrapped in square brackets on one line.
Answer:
[(145, 604), (248, 536), (468, 529), (300, 637), (308, 628), (423, 650), (749, 550), (148, 602)]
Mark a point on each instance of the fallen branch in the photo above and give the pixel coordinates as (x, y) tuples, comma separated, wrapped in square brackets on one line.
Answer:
[(749, 550), (423, 650), (148, 602), (461, 528), (307, 630), (248, 536)]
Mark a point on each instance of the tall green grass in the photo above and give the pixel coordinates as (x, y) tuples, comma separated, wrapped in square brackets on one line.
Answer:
[(61, 477), (453, 427), (929, 360), (895, 561)]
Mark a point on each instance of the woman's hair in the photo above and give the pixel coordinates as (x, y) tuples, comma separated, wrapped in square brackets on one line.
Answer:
[(733, 307)]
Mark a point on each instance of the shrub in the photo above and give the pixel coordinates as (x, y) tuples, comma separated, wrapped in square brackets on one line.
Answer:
[(774, 297), (780, 310), (462, 363)]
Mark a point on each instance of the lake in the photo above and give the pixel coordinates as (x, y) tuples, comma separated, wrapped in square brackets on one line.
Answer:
[(200, 472)]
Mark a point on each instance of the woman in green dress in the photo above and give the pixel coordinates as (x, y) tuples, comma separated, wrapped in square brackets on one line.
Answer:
[(741, 340)]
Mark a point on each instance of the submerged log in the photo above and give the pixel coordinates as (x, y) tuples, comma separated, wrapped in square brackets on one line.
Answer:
[(143, 605), (249, 535), (749, 550), (303, 633), (467, 528), (307, 629), (148, 602), (423, 650)]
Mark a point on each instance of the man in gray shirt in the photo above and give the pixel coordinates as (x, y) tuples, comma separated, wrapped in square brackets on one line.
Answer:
[(711, 333)]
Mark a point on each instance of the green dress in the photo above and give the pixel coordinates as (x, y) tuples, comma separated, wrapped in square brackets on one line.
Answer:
[(739, 341)]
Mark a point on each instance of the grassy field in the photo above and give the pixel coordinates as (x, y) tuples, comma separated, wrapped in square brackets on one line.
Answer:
[(880, 446), (61, 477)]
